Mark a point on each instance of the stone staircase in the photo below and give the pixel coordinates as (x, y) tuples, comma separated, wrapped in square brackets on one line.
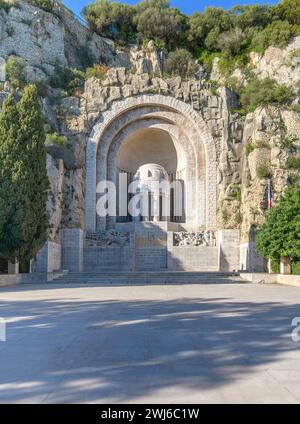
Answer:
[(117, 278)]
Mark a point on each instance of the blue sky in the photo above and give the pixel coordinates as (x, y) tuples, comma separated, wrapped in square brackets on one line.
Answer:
[(186, 6)]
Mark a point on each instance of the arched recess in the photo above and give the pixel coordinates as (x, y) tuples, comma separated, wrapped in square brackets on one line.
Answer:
[(184, 120), (186, 163)]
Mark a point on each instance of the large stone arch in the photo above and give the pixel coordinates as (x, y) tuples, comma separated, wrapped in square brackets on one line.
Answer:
[(113, 124), (181, 141)]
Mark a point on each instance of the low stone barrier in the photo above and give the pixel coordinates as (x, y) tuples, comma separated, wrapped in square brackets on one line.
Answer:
[(8, 280), (264, 278)]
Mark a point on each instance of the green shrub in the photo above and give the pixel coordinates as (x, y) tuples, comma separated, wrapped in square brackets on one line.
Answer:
[(295, 53), (71, 80), (293, 162), (265, 92), (261, 144), (236, 193), (15, 67), (46, 5), (97, 71), (279, 235), (238, 218), (296, 108), (250, 147), (58, 139), (288, 142), (180, 62), (206, 58), (263, 171), (4, 5), (42, 88), (296, 267)]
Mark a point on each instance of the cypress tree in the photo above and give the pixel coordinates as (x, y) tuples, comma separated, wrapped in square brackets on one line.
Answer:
[(11, 208), (32, 173), (23, 178)]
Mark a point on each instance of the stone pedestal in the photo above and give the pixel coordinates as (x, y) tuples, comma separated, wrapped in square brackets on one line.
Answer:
[(285, 266), (13, 268), (250, 259), (72, 249), (228, 242), (48, 258)]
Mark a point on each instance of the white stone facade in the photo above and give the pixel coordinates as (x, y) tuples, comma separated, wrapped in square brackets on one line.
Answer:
[(160, 134)]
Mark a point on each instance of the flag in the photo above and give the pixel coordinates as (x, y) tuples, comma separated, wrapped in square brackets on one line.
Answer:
[(270, 195)]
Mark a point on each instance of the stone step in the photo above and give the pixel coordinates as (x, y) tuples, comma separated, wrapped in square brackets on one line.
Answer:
[(164, 277)]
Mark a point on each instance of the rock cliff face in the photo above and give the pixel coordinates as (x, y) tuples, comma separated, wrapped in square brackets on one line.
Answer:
[(243, 144), (44, 40)]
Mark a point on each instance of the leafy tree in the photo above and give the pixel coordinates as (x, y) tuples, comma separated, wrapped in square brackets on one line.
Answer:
[(180, 62), (230, 42), (289, 10), (280, 235), (205, 28), (252, 16), (24, 182), (157, 21), (277, 34), (111, 20)]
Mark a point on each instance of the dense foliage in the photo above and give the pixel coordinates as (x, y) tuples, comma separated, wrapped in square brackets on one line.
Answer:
[(15, 71), (23, 177), (263, 92), (180, 62), (228, 32), (280, 235)]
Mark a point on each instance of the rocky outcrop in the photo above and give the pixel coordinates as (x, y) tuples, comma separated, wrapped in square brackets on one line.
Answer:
[(45, 39), (143, 60), (282, 65), (266, 130)]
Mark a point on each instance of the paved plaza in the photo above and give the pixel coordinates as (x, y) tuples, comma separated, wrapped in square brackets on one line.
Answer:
[(182, 343)]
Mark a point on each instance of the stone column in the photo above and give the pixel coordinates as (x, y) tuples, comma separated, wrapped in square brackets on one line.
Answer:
[(155, 207), (285, 265), (13, 268)]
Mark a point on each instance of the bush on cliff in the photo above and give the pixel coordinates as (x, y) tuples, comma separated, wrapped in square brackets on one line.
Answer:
[(280, 235), (15, 72), (111, 20), (265, 92), (180, 62), (46, 5)]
